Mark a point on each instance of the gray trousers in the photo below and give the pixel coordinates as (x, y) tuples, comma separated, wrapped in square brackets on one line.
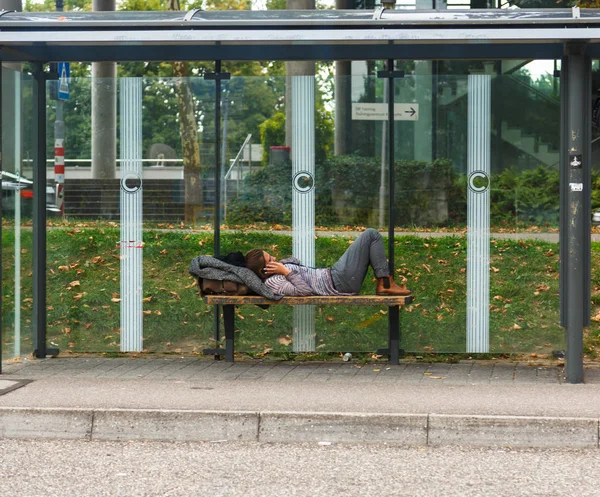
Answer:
[(349, 272)]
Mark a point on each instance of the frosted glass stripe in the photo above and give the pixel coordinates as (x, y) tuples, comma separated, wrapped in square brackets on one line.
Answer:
[(131, 215), (478, 214), (303, 202)]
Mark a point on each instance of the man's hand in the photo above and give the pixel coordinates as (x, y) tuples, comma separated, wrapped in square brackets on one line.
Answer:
[(276, 268)]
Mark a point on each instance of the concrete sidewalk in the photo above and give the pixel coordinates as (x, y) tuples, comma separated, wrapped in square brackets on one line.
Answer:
[(199, 399)]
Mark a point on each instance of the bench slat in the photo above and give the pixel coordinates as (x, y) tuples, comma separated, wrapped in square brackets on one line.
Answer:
[(312, 300)]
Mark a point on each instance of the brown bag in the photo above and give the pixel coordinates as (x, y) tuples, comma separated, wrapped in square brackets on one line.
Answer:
[(221, 287)]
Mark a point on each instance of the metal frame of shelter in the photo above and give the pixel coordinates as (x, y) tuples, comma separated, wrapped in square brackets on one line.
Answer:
[(572, 35)]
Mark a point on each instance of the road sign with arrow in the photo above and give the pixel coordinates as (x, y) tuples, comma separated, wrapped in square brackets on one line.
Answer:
[(379, 112)]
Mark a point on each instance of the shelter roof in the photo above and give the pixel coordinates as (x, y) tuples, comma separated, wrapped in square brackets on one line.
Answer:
[(295, 35)]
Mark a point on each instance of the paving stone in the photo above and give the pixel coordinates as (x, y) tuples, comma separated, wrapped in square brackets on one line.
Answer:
[(502, 374), (591, 376), (386, 379), (201, 369), (458, 374), (524, 374)]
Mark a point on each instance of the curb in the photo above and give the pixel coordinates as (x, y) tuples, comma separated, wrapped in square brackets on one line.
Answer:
[(292, 427)]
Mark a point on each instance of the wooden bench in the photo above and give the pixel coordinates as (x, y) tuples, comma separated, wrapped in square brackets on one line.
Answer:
[(230, 301)]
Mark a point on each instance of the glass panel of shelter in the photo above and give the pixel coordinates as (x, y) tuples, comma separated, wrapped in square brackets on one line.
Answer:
[(17, 205), (343, 178)]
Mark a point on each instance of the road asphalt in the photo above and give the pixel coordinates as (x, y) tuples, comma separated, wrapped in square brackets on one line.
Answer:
[(170, 398)]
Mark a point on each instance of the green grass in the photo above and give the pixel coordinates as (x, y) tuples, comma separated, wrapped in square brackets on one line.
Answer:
[(83, 288)]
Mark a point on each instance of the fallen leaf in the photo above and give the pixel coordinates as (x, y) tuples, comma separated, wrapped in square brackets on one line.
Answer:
[(265, 352), (286, 340), (74, 283)]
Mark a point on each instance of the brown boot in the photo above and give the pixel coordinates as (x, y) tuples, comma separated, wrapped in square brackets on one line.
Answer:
[(386, 286)]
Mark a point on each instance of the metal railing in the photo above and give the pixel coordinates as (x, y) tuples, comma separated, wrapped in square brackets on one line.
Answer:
[(236, 162)]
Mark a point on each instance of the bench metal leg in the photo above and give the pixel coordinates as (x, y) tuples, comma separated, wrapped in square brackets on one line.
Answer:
[(229, 324), (394, 334)]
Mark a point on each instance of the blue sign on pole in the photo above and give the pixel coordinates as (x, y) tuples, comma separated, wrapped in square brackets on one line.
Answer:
[(64, 80)]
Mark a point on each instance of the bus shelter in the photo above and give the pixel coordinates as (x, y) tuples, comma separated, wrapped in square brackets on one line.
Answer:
[(571, 36)]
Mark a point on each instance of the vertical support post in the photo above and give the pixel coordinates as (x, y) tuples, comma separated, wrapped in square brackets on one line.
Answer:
[(303, 198), (39, 210), (391, 165), (131, 215), (575, 204), (1, 219), (394, 312), (18, 163), (393, 315), (384, 159), (217, 76), (217, 215), (217, 211), (478, 213), (389, 76)]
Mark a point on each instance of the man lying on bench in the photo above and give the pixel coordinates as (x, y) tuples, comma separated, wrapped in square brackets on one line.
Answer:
[(345, 277)]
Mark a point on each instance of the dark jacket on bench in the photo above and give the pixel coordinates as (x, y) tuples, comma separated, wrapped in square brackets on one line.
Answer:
[(207, 267)]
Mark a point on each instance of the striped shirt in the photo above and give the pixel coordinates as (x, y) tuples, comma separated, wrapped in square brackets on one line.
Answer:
[(302, 281)]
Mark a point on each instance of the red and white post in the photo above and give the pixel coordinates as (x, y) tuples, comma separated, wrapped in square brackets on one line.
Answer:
[(59, 173)]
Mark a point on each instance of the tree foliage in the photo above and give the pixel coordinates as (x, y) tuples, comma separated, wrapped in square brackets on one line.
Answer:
[(50, 6)]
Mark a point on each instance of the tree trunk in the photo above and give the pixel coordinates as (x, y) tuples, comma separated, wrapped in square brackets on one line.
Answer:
[(189, 136)]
